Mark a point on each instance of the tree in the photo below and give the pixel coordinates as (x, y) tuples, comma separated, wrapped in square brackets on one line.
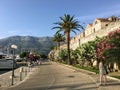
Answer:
[(23, 54), (74, 57), (87, 52), (63, 55), (68, 24), (109, 48), (58, 38)]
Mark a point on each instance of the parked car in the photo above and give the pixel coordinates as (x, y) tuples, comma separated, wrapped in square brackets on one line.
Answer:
[(18, 60), (7, 64)]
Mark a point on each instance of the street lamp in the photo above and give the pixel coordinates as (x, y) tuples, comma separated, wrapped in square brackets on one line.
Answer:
[(13, 47)]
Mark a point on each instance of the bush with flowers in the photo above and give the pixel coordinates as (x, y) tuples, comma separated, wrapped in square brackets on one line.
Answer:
[(109, 48)]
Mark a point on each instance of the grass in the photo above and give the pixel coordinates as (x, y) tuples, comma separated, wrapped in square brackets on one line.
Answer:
[(118, 77), (89, 69), (96, 71)]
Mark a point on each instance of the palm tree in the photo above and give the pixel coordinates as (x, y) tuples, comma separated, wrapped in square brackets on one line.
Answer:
[(68, 24), (58, 38)]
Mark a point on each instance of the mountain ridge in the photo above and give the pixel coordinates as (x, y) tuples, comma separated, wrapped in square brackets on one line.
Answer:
[(28, 43)]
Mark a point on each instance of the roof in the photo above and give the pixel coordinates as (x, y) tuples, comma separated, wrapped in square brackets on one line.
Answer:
[(103, 19), (90, 24)]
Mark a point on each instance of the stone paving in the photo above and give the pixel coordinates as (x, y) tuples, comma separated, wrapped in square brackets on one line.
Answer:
[(20, 75), (112, 83), (5, 80)]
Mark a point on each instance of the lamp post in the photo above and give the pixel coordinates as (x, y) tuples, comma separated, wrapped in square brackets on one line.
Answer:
[(13, 47)]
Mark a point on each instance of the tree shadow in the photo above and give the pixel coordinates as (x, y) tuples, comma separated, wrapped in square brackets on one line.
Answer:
[(82, 86)]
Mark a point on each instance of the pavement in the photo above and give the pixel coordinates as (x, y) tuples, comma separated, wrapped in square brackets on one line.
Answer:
[(20, 74), (5, 80), (112, 83)]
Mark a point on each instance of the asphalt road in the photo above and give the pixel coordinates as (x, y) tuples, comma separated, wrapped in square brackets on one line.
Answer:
[(53, 76)]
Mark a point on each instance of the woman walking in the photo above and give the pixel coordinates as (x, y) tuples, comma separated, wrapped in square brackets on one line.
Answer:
[(103, 73)]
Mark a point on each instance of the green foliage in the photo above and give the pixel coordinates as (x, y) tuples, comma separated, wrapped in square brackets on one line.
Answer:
[(74, 57), (68, 24), (58, 38), (87, 52), (109, 48), (52, 47), (43, 56), (89, 69), (63, 55), (118, 77), (23, 54)]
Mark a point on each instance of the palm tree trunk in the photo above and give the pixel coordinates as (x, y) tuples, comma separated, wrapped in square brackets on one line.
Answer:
[(68, 46), (58, 45)]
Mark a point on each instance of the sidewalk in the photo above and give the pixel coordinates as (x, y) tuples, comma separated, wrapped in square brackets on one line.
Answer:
[(114, 74), (112, 83), (5, 79)]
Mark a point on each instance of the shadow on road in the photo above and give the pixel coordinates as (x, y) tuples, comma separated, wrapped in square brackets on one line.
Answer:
[(71, 76), (43, 63), (81, 86)]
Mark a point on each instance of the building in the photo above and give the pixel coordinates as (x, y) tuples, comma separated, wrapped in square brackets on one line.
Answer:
[(100, 27)]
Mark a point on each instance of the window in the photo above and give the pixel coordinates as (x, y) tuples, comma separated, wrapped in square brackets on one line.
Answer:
[(95, 22), (79, 42), (94, 30), (83, 34), (106, 25)]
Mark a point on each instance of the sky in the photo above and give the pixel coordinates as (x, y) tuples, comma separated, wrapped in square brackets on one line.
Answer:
[(37, 17)]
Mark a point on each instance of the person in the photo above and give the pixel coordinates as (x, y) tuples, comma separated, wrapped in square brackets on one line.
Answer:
[(103, 73)]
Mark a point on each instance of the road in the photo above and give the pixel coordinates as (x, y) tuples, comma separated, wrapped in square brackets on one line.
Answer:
[(53, 76)]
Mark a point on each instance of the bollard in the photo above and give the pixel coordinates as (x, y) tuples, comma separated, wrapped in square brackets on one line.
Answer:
[(11, 78), (25, 71), (21, 70), (30, 67)]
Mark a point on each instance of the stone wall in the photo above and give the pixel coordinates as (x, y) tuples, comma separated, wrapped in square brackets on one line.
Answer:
[(81, 38)]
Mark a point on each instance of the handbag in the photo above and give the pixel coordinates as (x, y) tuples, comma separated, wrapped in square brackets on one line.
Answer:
[(106, 69)]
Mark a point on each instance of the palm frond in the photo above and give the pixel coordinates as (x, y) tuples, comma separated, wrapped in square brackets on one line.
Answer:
[(73, 31), (80, 26), (58, 23), (57, 27), (71, 19), (58, 31), (62, 19)]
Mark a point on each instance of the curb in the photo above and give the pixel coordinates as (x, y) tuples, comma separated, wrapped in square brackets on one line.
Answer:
[(25, 78), (78, 69), (17, 81), (113, 78), (86, 71)]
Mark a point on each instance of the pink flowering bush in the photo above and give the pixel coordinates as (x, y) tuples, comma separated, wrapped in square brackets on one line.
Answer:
[(31, 56), (109, 47)]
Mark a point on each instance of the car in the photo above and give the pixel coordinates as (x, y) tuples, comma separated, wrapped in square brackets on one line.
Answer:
[(18, 60), (7, 64)]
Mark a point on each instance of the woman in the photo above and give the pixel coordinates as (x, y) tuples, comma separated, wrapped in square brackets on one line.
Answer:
[(102, 71)]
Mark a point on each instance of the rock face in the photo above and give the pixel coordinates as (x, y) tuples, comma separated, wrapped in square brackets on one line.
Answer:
[(27, 43)]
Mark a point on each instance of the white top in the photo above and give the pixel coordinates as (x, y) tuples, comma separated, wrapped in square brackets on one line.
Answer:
[(102, 68)]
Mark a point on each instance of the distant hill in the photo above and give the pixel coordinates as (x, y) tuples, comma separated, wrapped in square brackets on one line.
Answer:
[(27, 43)]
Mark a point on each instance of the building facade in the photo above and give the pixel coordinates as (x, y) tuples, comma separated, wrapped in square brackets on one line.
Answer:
[(100, 27)]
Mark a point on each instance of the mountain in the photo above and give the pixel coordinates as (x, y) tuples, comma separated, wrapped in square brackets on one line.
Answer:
[(27, 43)]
